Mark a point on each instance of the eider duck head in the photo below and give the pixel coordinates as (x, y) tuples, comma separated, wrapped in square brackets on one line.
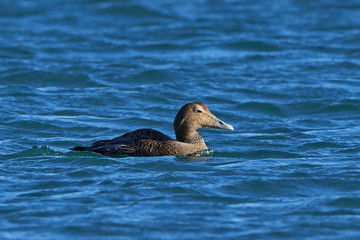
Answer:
[(193, 116)]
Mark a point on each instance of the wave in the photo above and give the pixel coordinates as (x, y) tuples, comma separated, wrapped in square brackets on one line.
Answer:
[(35, 151), (64, 158)]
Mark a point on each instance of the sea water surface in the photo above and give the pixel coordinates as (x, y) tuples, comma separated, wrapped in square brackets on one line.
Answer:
[(284, 73)]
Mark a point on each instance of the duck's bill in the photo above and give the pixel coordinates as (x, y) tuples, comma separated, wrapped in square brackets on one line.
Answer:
[(224, 125), (217, 123)]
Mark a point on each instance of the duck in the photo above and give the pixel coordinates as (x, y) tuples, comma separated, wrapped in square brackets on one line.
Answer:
[(148, 142)]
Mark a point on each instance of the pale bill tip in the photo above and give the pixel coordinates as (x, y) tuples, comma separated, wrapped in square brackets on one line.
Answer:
[(229, 127)]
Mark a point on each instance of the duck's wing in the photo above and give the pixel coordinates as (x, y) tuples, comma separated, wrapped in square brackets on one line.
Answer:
[(130, 143)]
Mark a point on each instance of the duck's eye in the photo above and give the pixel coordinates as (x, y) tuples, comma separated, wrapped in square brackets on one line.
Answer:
[(199, 111)]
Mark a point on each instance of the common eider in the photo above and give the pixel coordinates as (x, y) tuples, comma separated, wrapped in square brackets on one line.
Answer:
[(148, 142)]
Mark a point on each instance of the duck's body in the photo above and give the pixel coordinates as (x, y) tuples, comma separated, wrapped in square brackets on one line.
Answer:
[(148, 142), (143, 142)]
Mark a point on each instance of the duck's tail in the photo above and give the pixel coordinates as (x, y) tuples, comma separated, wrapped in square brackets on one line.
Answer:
[(78, 148)]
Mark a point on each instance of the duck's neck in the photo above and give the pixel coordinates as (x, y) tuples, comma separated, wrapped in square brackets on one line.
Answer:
[(189, 137)]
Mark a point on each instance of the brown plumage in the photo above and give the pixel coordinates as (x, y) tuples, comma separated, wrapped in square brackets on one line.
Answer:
[(148, 142)]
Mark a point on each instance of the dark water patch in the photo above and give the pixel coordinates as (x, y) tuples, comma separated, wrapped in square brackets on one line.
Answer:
[(135, 11), (91, 159), (32, 125), (228, 154), (257, 57), (332, 49), (277, 130), (68, 113), (218, 64), (17, 91), (253, 46), (347, 64), (269, 137), (50, 184), (297, 175), (350, 101), (19, 10), (345, 202), (162, 47), (265, 154), (351, 150), (35, 194), (309, 127), (81, 173), (216, 99), (318, 145), (44, 78), (165, 164), (305, 107), (339, 108), (326, 213), (263, 187), (142, 122), (252, 93), (16, 52), (153, 76), (261, 107), (177, 190), (325, 94), (86, 183), (107, 183)]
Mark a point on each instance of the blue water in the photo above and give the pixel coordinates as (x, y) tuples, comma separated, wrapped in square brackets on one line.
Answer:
[(285, 74)]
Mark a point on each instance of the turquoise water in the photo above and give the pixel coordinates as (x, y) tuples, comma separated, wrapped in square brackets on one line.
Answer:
[(285, 74)]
